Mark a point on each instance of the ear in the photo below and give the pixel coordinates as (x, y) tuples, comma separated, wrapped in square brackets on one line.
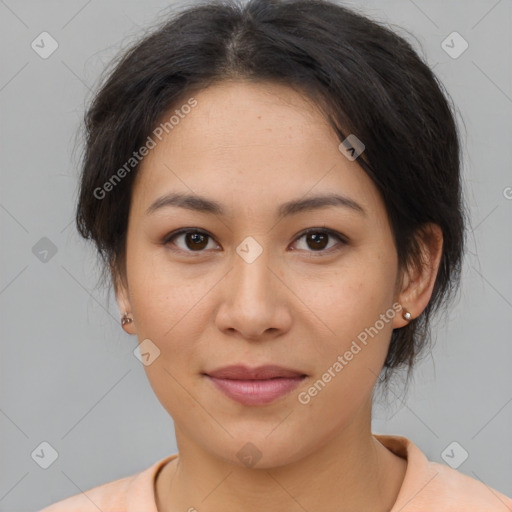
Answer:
[(123, 301), (417, 284)]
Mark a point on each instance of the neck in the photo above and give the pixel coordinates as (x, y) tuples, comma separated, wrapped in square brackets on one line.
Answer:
[(352, 471)]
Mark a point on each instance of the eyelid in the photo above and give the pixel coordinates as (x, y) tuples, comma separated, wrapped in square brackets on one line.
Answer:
[(331, 232), (335, 234)]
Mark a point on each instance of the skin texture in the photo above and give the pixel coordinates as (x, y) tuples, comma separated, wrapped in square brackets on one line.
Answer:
[(252, 147)]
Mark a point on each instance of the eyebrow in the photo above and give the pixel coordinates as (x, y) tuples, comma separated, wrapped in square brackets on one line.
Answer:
[(205, 205)]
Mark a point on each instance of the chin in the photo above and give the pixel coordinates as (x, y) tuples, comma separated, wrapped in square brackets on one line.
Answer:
[(261, 452)]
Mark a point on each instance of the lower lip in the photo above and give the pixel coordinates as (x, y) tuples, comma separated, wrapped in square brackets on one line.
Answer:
[(256, 392)]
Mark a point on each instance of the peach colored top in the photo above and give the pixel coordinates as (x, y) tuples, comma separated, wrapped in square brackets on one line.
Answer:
[(427, 487)]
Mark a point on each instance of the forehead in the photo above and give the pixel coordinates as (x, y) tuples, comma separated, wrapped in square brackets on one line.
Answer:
[(250, 114), (251, 141)]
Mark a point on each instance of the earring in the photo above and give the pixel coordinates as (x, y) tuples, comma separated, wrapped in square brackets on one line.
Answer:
[(126, 319), (407, 315)]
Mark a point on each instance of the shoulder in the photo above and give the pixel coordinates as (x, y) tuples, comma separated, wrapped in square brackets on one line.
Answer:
[(136, 490), (104, 497), (458, 489), (431, 486)]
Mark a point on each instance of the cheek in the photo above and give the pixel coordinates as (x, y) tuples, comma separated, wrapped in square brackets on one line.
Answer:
[(163, 301), (349, 308), (167, 307), (351, 354)]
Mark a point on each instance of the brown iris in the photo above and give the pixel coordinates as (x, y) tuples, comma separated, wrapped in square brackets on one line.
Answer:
[(197, 240), (319, 240)]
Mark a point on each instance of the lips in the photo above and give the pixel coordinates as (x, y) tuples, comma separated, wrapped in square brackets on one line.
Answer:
[(255, 386), (241, 372)]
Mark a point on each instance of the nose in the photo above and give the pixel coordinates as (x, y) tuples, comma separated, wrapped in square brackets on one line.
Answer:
[(254, 300)]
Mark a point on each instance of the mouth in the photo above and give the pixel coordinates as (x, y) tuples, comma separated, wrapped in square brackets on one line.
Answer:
[(257, 386)]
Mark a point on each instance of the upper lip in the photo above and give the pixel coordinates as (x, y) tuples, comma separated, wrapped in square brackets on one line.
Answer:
[(241, 372)]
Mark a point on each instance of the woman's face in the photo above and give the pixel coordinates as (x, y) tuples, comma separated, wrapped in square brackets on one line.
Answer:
[(257, 290)]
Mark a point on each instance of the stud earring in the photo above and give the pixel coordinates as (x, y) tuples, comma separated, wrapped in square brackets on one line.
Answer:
[(126, 319), (407, 315)]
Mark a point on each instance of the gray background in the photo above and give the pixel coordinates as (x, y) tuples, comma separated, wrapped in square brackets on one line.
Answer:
[(68, 374)]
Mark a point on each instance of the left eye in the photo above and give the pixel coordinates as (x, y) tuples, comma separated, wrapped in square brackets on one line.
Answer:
[(317, 240)]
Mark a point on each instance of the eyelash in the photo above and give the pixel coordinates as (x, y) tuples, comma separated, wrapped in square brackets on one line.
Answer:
[(331, 233)]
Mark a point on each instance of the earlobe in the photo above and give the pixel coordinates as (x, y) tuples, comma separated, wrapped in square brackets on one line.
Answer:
[(127, 323), (123, 302), (404, 317)]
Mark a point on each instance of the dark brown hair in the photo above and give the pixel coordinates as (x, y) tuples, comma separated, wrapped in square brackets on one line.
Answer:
[(367, 80)]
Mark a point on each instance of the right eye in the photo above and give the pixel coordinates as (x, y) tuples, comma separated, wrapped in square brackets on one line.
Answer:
[(193, 240)]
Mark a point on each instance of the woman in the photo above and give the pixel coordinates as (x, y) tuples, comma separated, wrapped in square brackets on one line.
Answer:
[(275, 190)]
